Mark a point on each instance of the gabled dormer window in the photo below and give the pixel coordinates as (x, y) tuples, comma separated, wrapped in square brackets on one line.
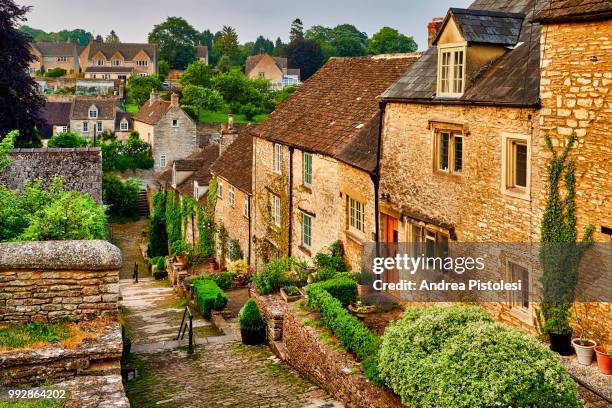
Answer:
[(451, 70), (93, 112)]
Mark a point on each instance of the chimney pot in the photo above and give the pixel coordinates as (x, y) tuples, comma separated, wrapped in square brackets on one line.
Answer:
[(174, 99), (230, 121), (432, 30)]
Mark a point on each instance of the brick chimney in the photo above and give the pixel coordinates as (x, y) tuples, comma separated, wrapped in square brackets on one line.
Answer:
[(228, 134), (432, 30), (174, 100), (154, 97)]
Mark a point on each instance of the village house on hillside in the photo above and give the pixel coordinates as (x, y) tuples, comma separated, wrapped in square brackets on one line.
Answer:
[(101, 60), (171, 133), (92, 116), (314, 173), (274, 69), (51, 55)]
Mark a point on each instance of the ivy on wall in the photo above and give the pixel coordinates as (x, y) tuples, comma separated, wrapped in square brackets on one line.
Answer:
[(173, 217), (276, 240)]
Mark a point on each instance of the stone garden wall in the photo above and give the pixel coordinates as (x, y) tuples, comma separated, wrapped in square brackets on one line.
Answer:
[(46, 281)]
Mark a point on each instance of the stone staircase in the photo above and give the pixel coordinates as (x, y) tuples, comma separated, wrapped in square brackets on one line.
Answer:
[(143, 204)]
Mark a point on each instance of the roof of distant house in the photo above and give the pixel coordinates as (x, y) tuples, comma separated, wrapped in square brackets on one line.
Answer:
[(127, 50), (121, 115), (201, 51), (253, 60), (56, 49), (107, 108), (236, 162), (152, 113), (109, 69), (513, 79), (56, 113), (335, 106), (573, 10)]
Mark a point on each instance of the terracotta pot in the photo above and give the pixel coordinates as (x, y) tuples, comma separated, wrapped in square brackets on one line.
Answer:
[(213, 266), (181, 260), (604, 361), (584, 352), (561, 343), (363, 290)]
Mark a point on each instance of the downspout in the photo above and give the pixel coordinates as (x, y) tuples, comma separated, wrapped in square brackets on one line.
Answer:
[(250, 237), (376, 176), (290, 200)]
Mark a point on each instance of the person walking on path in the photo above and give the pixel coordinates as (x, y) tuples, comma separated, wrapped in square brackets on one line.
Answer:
[(135, 276)]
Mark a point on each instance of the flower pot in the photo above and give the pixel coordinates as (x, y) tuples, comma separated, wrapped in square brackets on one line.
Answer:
[(584, 350), (253, 336), (561, 343), (362, 314), (289, 299), (181, 260), (363, 290), (604, 361), (213, 266)]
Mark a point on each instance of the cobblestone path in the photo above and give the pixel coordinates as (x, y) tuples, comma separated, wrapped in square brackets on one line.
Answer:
[(128, 237)]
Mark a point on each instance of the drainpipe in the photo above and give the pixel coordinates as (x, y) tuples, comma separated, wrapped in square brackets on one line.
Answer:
[(376, 176), (249, 239), (290, 199)]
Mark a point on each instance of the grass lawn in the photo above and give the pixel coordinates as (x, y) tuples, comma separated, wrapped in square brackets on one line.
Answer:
[(47, 403), (131, 108), (220, 117), (16, 336)]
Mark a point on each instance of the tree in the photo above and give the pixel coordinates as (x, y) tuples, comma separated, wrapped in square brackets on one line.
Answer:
[(163, 68), (389, 40), (207, 38), (305, 55), (67, 139), (322, 35), (20, 103), (280, 48), (197, 74), (121, 197), (297, 30), (176, 39), (202, 99), (263, 46), (348, 41), (6, 145), (112, 38), (139, 88), (78, 35), (227, 43)]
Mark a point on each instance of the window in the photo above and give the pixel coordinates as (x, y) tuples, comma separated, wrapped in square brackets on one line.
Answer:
[(518, 160), (99, 63), (62, 129), (307, 169), (175, 123), (428, 240), (231, 195), (62, 59), (196, 190), (306, 231), (93, 112), (116, 63), (449, 152), (356, 215), (262, 74), (124, 125), (99, 127), (220, 189), (85, 127), (162, 160), (518, 299), (516, 156), (140, 74), (278, 158), (276, 210), (106, 76), (142, 63), (451, 72), (246, 208)]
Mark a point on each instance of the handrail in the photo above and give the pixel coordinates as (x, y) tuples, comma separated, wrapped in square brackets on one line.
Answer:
[(183, 328)]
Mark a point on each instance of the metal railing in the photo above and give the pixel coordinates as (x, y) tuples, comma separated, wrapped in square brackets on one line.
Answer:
[(183, 328)]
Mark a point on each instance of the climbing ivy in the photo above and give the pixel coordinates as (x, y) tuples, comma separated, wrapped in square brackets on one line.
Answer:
[(173, 217), (158, 236), (559, 253)]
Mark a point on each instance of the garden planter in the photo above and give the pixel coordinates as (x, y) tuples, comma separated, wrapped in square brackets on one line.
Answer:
[(363, 290), (561, 343), (361, 312), (253, 337), (181, 261), (604, 361), (213, 266), (584, 350), (288, 298), (127, 346)]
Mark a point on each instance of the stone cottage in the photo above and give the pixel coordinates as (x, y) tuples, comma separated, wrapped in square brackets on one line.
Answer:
[(314, 173), (274, 69), (92, 116), (171, 133)]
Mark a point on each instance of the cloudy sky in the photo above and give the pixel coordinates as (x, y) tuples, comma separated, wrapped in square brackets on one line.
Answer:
[(133, 19)]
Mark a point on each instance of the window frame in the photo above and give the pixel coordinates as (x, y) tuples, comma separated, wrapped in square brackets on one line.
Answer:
[(353, 218), (231, 195), (163, 160), (276, 210), (93, 109), (451, 154), (508, 170), (307, 169), (175, 123), (85, 127), (220, 189), (99, 127), (246, 207), (451, 49), (515, 301), (277, 161), (307, 231), (121, 126)]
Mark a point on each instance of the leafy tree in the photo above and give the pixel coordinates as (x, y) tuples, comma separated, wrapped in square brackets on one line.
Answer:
[(112, 38), (202, 98), (207, 38), (78, 35), (197, 74), (6, 145), (348, 41), (121, 197), (280, 48), (134, 154), (56, 72), (224, 64), (305, 55), (67, 139), (227, 43), (263, 46), (163, 68), (389, 40), (297, 30), (139, 88), (20, 103), (176, 39), (158, 237)]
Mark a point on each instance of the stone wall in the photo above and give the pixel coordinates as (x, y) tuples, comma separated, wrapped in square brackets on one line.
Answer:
[(173, 142), (81, 169), (232, 217), (46, 281)]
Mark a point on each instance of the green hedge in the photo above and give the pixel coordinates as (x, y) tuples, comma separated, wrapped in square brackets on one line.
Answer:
[(353, 335), (250, 317), (209, 297), (344, 289), (459, 357)]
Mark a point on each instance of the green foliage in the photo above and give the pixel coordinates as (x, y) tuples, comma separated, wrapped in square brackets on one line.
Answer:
[(159, 262), (112, 38), (353, 335), (197, 74), (209, 297), (158, 237), (176, 39), (227, 43), (6, 145), (67, 139), (235, 252), (297, 30), (284, 94), (388, 40), (458, 357), (249, 111), (163, 68), (173, 217), (274, 275), (344, 289), (202, 99), (139, 88), (332, 258), (119, 156), (250, 317), (78, 35), (306, 55), (181, 248), (291, 290), (120, 197), (16, 336), (56, 73)]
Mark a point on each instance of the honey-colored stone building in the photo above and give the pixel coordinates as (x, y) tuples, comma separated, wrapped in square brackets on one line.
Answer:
[(50, 55)]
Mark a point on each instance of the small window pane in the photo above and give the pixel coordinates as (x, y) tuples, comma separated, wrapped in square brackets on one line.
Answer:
[(443, 151), (306, 230), (458, 154), (307, 169), (458, 72), (520, 164), (517, 272)]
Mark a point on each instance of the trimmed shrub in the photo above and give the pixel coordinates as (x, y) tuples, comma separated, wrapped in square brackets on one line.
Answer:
[(68, 140), (458, 357), (56, 73), (344, 289), (209, 297), (273, 276), (250, 317)]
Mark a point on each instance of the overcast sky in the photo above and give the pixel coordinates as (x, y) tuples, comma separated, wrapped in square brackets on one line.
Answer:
[(134, 19)]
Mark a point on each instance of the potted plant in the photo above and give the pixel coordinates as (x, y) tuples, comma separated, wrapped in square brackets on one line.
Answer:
[(290, 293), (604, 359), (583, 345), (252, 326), (361, 310), (181, 249), (559, 331), (364, 283)]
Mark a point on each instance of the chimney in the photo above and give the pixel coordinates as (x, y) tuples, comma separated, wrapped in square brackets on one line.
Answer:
[(174, 100), (228, 134), (432, 30), (154, 97), (230, 121)]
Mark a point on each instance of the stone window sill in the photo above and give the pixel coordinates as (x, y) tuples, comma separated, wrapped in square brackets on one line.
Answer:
[(305, 250), (515, 192), (353, 236)]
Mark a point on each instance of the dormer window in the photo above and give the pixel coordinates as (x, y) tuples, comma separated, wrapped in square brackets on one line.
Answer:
[(116, 63), (124, 126), (93, 112), (451, 70), (99, 63)]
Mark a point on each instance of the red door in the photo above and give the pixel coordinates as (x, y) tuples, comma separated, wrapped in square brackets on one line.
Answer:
[(391, 238)]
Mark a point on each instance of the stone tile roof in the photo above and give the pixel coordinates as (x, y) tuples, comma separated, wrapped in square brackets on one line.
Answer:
[(107, 108), (253, 60), (109, 69), (151, 113), (56, 49), (56, 113), (513, 79), (201, 51), (334, 106), (127, 50), (572, 10), (236, 163), (485, 26), (199, 163), (362, 151), (208, 155), (123, 115), (187, 164)]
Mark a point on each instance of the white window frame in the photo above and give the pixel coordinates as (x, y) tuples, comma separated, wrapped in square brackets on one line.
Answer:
[(508, 186), (62, 129), (514, 300), (246, 207), (356, 215), (92, 112), (162, 161), (99, 126), (142, 63), (451, 49), (99, 63), (307, 230), (307, 169), (231, 195), (62, 59), (124, 126), (106, 76), (116, 62), (140, 74), (196, 190), (85, 127), (220, 189), (451, 153), (175, 123), (278, 158), (276, 210)]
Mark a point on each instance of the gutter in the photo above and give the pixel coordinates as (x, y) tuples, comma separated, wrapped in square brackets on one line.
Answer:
[(461, 102), (290, 200)]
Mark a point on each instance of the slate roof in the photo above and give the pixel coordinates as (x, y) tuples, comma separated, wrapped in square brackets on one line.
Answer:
[(513, 79), (109, 69), (253, 60), (56, 113), (56, 49), (572, 10), (128, 50), (362, 151), (236, 163), (106, 108), (152, 113), (120, 116), (334, 106)]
